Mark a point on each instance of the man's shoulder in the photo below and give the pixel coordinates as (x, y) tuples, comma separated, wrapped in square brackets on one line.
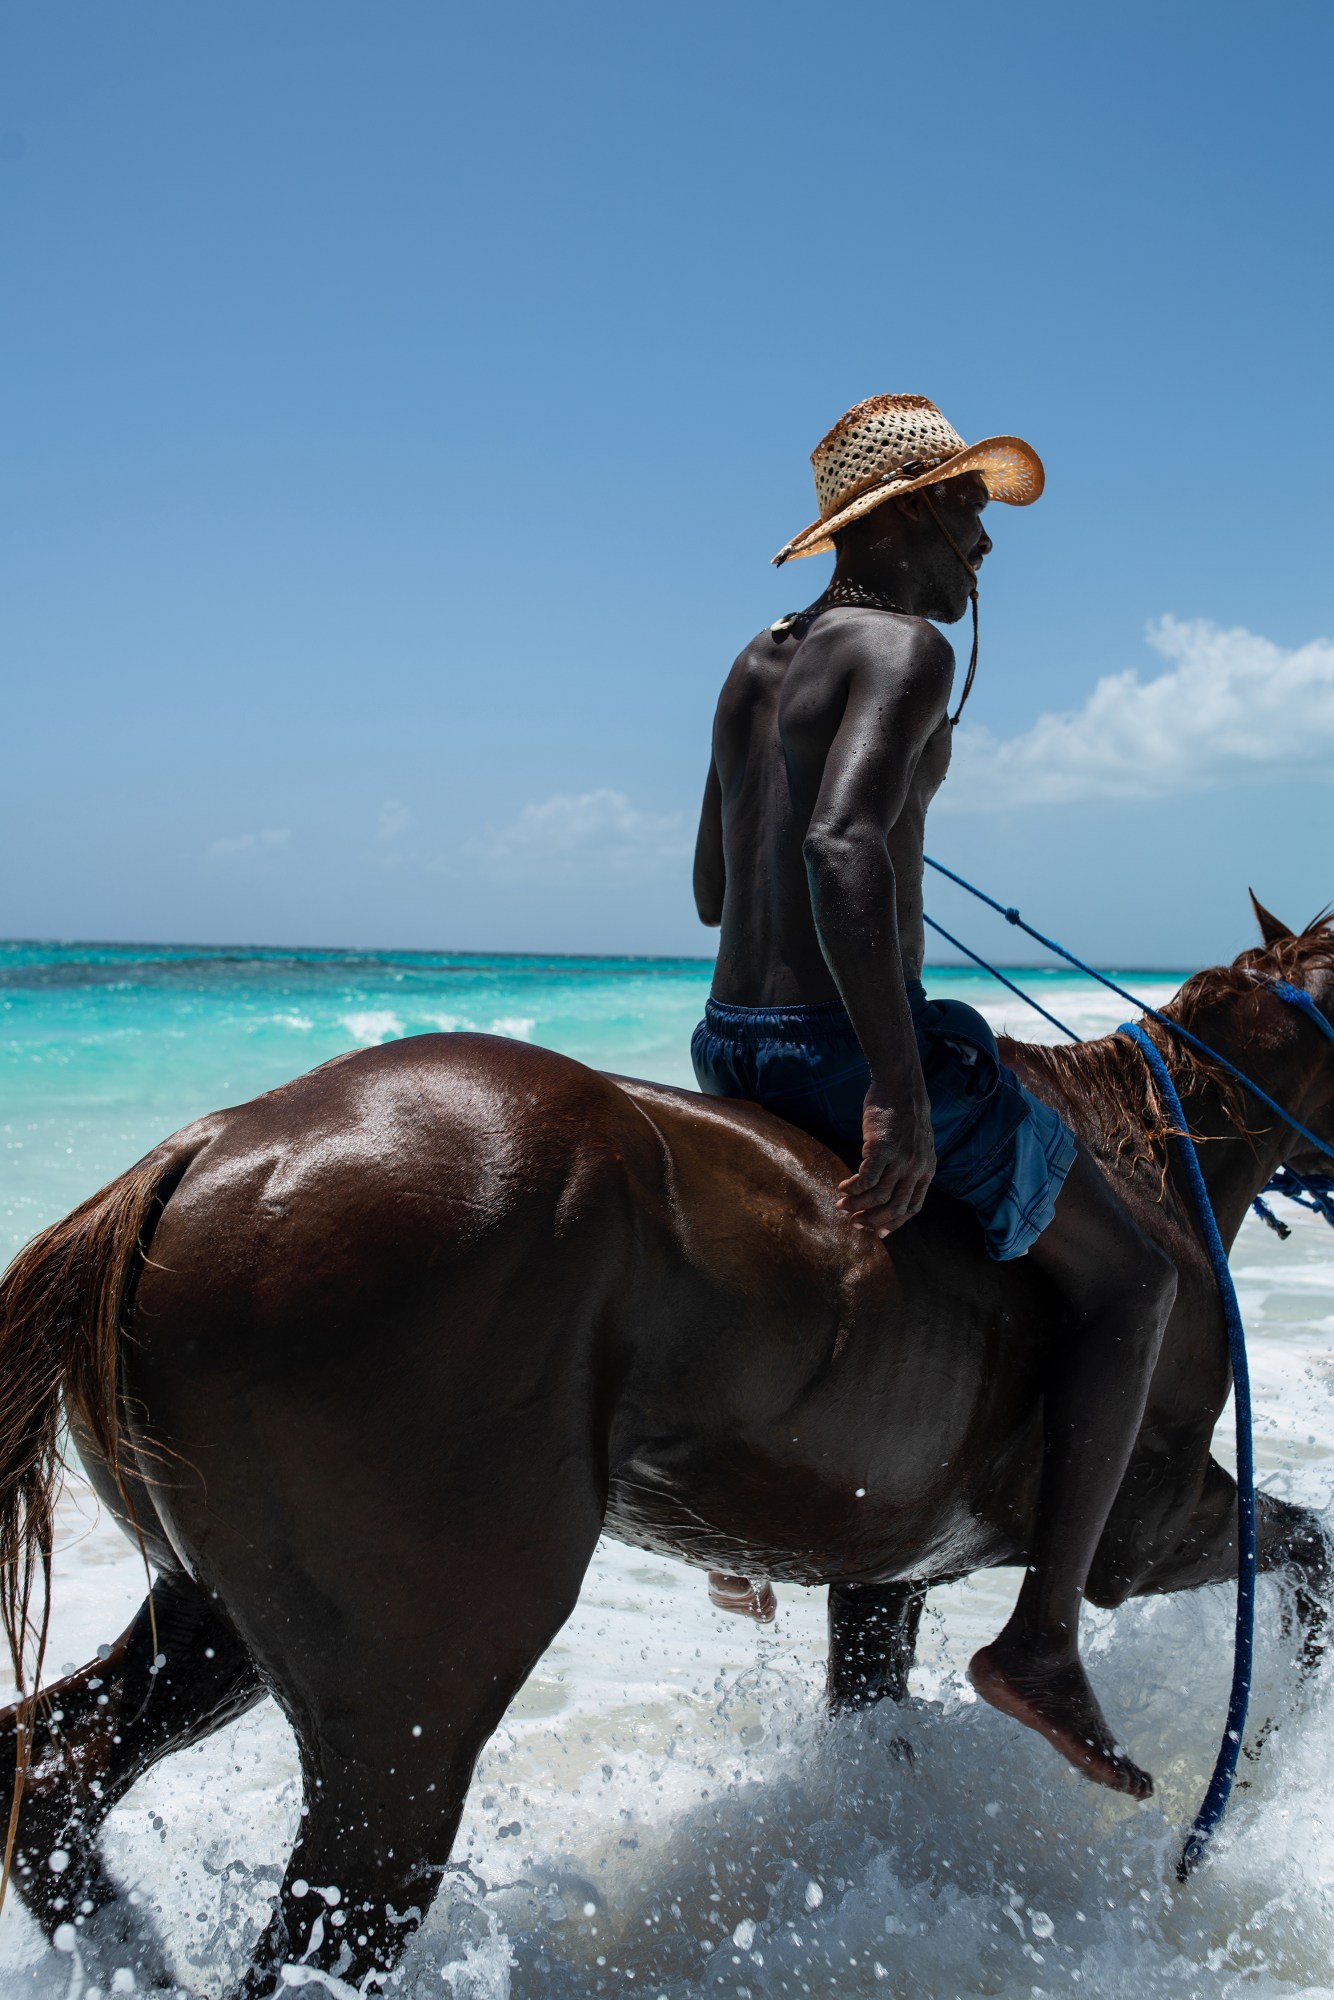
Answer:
[(865, 630), (861, 646), (759, 666), (844, 643), (873, 635)]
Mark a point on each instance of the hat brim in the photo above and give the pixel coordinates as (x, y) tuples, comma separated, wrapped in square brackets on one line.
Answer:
[(1012, 471)]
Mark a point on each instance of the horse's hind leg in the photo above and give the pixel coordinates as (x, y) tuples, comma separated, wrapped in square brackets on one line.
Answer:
[(872, 1640), (173, 1677), (390, 1718)]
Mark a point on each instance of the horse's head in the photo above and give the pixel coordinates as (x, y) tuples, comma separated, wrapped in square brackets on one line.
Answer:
[(1305, 960)]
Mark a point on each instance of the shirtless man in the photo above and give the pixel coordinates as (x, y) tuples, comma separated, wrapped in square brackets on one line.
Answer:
[(832, 735)]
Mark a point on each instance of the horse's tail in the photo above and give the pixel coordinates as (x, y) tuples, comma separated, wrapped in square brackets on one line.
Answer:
[(63, 1302)]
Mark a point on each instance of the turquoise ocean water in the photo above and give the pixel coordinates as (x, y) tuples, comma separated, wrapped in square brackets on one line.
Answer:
[(104, 1049)]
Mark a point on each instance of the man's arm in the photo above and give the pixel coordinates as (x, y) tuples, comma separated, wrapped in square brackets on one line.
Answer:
[(710, 871), (897, 696)]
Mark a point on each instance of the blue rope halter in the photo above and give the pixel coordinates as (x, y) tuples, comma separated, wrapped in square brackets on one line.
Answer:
[(1312, 1192)]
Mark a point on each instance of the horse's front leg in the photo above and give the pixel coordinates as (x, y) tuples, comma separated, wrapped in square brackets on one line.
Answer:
[(1294, 1540), (872, 1641), (1288, 1538)]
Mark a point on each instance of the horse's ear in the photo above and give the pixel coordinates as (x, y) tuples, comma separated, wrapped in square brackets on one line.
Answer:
[(1271, 930)]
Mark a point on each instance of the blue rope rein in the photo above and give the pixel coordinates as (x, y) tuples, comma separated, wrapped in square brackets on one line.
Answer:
[(1311, 1192), (1220, 1784), (1027, 998)]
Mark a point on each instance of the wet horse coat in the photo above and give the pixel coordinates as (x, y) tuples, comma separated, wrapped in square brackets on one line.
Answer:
[(411, 1332)]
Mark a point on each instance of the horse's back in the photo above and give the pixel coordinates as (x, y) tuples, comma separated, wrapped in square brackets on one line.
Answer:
[(368, 1191), (351, 1196)]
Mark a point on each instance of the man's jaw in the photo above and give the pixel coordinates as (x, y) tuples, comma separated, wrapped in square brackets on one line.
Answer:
[(948, 609)]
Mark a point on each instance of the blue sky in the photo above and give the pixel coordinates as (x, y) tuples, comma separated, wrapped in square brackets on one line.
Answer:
[(403, 403)]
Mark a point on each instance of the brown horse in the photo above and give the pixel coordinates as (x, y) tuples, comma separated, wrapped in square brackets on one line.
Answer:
[(371, 1362)]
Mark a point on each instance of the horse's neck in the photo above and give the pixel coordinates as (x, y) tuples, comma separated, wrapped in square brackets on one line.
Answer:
[(1236, 1163), (1235, 1166)]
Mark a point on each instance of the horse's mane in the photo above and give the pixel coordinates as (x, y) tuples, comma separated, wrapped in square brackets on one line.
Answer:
[(1114, 1085)]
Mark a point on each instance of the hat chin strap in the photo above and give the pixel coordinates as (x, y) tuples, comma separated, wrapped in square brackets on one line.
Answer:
[(972, 599)]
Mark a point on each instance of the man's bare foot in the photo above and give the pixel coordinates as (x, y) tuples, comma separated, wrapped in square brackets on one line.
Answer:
[(739, 1594), (1055, 1699)]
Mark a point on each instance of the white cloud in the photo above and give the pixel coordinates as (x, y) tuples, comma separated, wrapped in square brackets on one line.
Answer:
[(1231, 709), (248, 843), (394, 820), (586, 832)]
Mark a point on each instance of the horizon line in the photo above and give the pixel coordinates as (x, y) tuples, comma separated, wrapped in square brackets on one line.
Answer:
[(471, 951)]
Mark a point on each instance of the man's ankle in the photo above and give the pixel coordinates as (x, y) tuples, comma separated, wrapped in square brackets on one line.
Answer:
[(1038, 1646)]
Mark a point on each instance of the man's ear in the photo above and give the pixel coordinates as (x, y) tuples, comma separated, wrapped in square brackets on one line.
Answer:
[(1271, 930)]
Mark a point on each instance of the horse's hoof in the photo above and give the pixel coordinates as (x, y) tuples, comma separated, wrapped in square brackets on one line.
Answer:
[(124, 1936)]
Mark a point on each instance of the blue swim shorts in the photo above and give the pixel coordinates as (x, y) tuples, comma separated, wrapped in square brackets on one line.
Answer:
[(999, 1149)]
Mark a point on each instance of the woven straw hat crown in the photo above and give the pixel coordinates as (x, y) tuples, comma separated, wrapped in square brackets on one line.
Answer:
[(895, 444)]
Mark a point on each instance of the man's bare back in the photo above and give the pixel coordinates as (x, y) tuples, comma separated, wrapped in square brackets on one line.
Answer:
[(780, 712)]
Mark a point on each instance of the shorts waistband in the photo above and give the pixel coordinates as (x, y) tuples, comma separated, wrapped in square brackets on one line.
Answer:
[(821, 1020)]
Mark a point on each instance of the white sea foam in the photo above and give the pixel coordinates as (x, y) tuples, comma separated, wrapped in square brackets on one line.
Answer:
[(519, 1025), (666, 1811), (371, 1025)]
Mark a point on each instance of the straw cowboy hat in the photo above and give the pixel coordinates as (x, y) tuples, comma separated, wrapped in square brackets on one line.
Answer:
[(894, 444)]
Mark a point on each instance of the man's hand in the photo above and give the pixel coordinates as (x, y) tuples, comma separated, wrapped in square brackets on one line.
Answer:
[(898, 1159)]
